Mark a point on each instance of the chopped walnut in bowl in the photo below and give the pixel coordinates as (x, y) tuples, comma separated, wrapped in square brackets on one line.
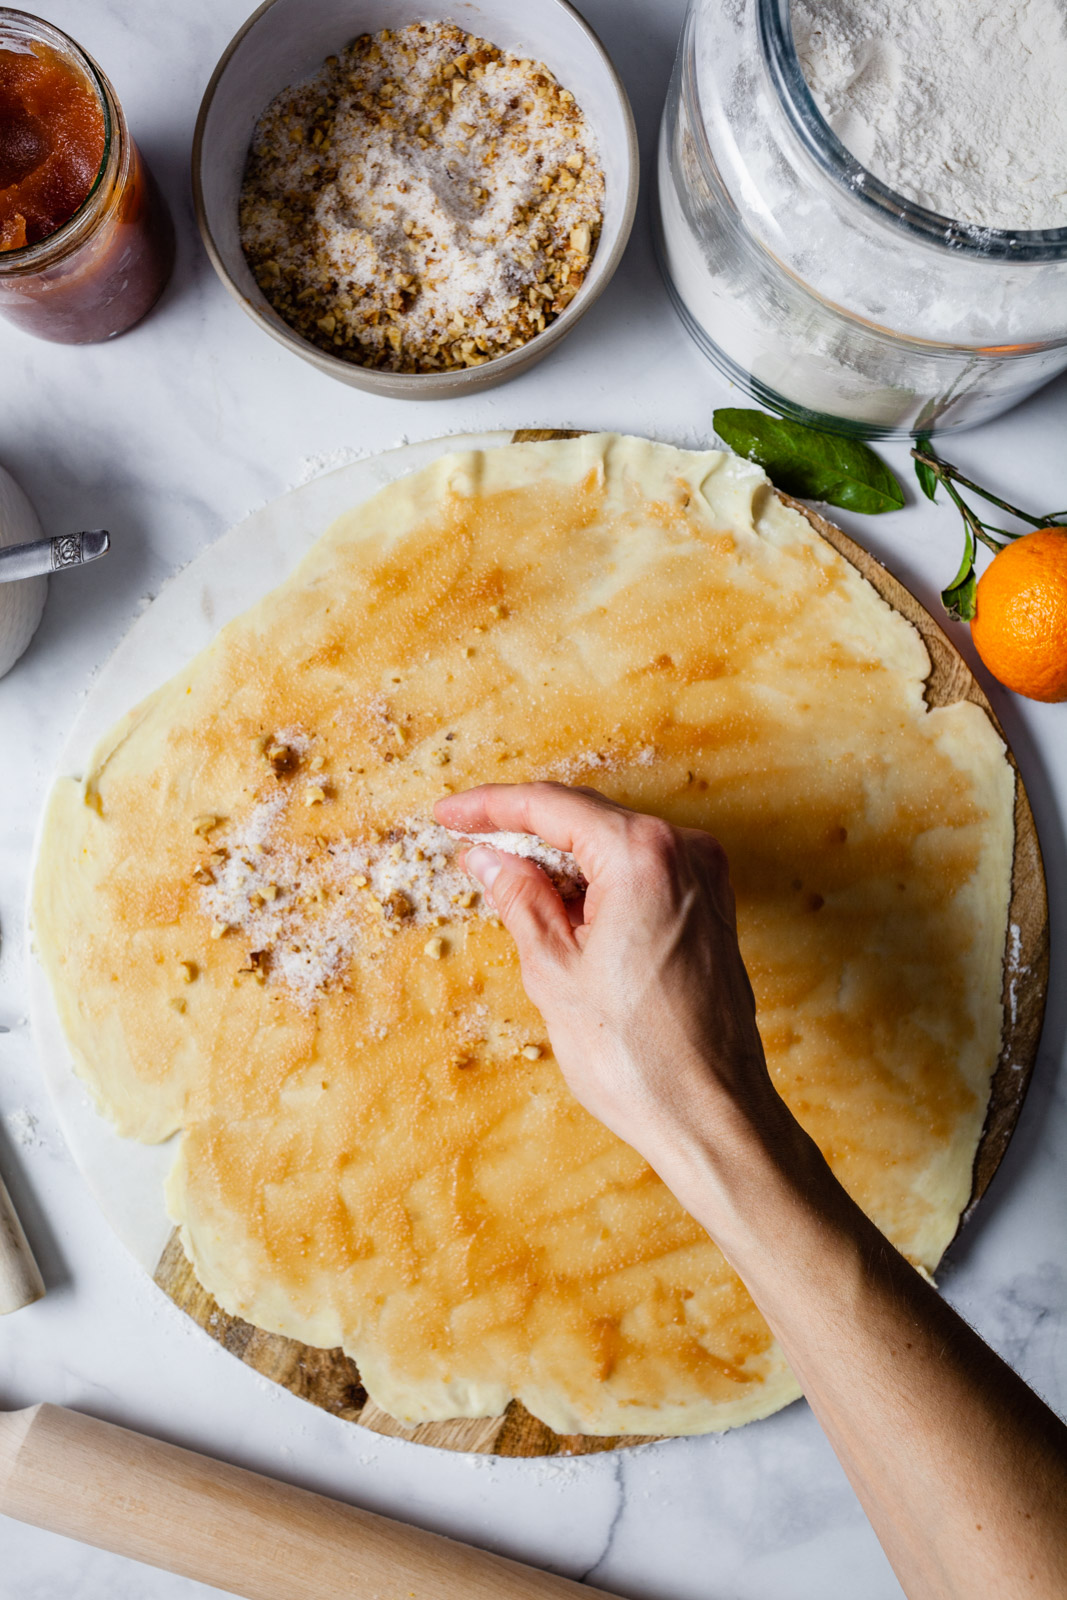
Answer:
[(424, 203), (430, 211)]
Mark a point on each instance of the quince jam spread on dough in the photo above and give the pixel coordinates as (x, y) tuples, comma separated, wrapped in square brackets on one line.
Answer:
[(51, 144)]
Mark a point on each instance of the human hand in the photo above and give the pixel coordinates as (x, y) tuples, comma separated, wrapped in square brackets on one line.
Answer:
[(641, 983)]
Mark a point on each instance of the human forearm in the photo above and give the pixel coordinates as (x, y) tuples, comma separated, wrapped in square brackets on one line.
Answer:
[(961, 1469)]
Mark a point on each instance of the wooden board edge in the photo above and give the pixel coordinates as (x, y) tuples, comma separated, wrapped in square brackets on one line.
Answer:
[(330, 1380), (1023, 998), (540, 435)]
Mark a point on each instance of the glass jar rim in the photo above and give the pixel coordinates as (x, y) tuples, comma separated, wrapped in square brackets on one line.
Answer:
[(37, 29), (775, 30)]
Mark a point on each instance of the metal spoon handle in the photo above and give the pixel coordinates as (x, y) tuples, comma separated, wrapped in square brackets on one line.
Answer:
[(43, 556)]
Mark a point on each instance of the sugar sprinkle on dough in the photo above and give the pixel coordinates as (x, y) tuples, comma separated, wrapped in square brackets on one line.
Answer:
[(308, 910)]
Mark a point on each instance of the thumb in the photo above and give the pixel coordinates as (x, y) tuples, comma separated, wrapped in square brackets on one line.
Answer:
[(526, 901)]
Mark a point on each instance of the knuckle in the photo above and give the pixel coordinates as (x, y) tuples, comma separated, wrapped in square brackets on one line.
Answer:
[(533, 798), (719, 869), (599, 800), (510, 893), (542, 790), (517, 896), (652, 844), (654, 833), (536, 970), (714, 854)]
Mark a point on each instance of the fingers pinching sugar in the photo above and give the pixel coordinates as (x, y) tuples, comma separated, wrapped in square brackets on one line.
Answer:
[(580, 821), (484, 864), (526, 901)]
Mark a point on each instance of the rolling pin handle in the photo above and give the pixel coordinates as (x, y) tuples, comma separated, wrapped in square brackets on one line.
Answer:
[(235, 1529)]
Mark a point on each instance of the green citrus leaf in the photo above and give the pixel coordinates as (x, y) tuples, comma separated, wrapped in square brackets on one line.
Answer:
[(958, 599), (926, 475), (811, 465)]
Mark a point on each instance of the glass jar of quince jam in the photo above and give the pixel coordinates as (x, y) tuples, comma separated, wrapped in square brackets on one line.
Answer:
[(86, 241)]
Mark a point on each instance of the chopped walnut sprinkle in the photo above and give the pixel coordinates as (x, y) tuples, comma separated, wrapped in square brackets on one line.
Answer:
[(423, 203), (281, 758), (258, 965)]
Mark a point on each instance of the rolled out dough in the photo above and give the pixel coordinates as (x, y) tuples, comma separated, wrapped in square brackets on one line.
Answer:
[(377, 1149)]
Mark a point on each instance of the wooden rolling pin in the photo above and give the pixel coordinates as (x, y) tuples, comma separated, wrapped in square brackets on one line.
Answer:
[(20, 1280), (237, 1530)]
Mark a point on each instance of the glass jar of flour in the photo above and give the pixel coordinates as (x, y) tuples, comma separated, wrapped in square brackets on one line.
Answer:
[(811, 284)]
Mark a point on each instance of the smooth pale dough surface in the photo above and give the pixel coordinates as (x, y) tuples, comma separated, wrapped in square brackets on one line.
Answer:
[(384, 1170)]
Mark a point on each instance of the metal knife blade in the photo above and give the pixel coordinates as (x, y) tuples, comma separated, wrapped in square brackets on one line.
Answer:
[(42, 556)]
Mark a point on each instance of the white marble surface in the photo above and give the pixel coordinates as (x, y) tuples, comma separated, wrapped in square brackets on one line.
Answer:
[(169, 436)]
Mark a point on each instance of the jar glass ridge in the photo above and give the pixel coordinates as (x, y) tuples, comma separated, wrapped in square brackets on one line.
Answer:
[(813, 286)]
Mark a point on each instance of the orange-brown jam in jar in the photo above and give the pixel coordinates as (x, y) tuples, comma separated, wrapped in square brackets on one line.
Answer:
[(86, 242)]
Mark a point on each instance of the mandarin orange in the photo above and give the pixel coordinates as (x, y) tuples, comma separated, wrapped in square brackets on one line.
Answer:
[(1020, 623)]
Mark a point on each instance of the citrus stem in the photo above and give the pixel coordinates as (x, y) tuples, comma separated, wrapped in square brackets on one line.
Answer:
[(978, 529), (945, 472)]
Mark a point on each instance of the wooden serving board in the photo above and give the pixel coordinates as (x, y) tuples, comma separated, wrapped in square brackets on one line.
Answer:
[(330, 1379)]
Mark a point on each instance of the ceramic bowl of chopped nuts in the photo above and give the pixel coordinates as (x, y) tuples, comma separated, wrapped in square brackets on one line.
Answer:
[(419, 208)]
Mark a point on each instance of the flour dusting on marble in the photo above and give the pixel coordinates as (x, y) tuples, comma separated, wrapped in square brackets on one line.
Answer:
[(22, 1127)]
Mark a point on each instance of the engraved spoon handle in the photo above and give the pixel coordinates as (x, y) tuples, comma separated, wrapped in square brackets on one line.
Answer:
[(42, 556)]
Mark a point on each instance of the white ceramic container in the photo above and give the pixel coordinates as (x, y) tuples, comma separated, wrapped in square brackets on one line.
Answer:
[(21, 603), (287, 40)]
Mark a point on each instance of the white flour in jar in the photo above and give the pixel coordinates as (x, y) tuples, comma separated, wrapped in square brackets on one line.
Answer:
[(788, 276), (959, 106)]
